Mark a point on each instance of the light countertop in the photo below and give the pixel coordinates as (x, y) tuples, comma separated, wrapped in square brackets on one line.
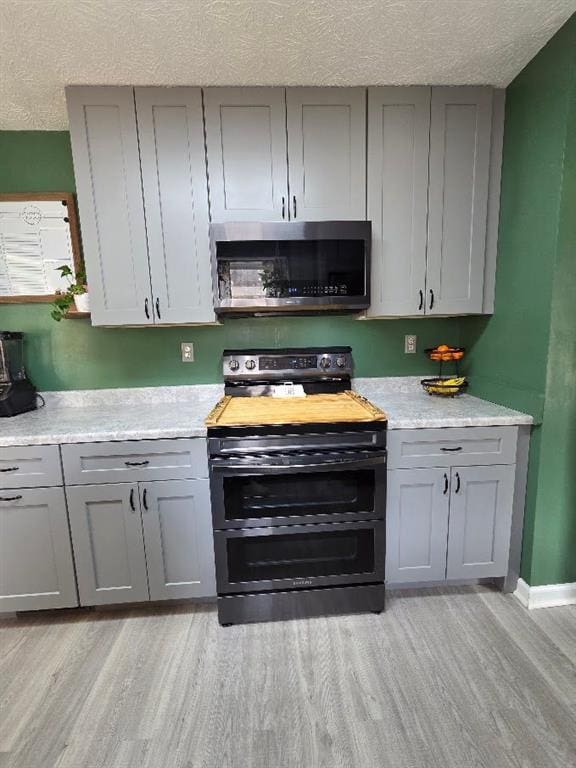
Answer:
[(167, 412)]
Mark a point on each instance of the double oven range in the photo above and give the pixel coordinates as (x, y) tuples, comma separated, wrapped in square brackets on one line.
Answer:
[(298, 509)]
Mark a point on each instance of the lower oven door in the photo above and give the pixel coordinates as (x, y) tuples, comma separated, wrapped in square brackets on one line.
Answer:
[(299, 556), (312, 489)]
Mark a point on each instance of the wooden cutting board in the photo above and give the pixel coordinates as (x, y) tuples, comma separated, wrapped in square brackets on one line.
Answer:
[(312, 409)]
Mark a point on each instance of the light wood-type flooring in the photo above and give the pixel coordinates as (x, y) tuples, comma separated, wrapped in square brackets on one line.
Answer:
[(448, 678)]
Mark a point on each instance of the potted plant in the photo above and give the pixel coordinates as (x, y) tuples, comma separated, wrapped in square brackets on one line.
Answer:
[(76, 293)]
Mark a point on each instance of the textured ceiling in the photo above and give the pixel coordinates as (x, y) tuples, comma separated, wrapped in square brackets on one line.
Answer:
[(47, 44)]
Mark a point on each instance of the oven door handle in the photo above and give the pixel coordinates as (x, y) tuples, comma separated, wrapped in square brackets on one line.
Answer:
[(273, 469)]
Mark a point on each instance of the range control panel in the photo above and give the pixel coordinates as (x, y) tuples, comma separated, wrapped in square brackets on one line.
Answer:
[(292, 364)]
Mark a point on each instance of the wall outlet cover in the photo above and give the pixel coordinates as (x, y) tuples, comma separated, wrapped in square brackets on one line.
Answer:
[(187, 351), (410, 344)]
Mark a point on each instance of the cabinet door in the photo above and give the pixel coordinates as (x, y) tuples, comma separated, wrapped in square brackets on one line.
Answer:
[(416, 525), (173, 158), (177, 524), (480, 519), (36, 568), (460, 135), (108, 545), (326, 153), (246, 142), (398, 139), (108, 181)]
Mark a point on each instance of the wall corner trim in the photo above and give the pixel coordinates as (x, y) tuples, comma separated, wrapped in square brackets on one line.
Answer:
[(546, 596)]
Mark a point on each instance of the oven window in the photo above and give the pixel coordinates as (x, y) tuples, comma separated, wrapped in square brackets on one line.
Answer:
[(278, 269), (300, 555), (306, 493)]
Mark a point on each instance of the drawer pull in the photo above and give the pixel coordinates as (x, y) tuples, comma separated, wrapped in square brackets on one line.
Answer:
[(9, 469), (10, 498), (451, 450), (137, 463)]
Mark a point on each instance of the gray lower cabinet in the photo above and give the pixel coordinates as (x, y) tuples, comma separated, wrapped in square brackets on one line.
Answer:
[(36, 567), (142, 541), (480, 521), (108, 546), (177, 525), (448, 524), (417, 524)]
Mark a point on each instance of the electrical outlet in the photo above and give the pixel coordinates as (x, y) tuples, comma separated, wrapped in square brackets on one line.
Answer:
[(187, 351), (410, 344)]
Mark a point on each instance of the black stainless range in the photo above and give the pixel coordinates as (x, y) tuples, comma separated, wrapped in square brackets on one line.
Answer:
[(298, 509)]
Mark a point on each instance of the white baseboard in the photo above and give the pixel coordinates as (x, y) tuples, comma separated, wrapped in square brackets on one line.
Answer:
[(546, 596)]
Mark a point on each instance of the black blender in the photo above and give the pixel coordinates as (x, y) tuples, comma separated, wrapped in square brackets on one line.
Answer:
[(17, 393)]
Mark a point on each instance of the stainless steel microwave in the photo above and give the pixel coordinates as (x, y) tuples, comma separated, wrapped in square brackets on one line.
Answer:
[(287, 267)]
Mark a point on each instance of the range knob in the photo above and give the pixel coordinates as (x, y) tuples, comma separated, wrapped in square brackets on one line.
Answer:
[(250, 364), (233, 365), (325, 362), (340, 362)]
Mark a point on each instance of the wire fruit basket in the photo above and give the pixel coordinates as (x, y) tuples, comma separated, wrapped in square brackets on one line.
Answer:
[(446, 386)]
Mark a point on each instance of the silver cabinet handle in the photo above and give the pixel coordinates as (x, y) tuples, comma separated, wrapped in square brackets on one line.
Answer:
[(9, 469), (294, 205)]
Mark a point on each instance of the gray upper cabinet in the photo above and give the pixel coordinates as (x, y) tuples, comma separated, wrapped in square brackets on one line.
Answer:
[(417, 525), (326, 153), (177, 522), (36, 568), (434, 157), (246, 143), (140, 168), (107, 170), (480, 520), (108, 544), (171, 133), (460, 138), (398, 136)]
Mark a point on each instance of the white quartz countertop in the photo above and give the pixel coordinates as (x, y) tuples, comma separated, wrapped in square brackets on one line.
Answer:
[(168, 412)]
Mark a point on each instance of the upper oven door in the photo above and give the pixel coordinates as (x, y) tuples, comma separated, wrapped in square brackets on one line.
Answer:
[(291, 266), (251, 492)]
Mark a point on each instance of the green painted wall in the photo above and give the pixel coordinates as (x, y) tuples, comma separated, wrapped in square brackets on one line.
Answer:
[(525, 355), (72, 354)]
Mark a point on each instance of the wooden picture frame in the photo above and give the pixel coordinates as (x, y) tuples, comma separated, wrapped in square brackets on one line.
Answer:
[(68, 199)]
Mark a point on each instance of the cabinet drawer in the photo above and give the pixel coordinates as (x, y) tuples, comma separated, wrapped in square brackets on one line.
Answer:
[(131, 461), (30, 466), (464, 446)]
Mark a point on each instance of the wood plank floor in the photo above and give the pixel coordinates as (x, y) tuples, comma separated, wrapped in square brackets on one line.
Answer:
[(448, 678)]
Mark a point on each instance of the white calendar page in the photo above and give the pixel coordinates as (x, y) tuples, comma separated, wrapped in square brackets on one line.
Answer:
[(34, 241)]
